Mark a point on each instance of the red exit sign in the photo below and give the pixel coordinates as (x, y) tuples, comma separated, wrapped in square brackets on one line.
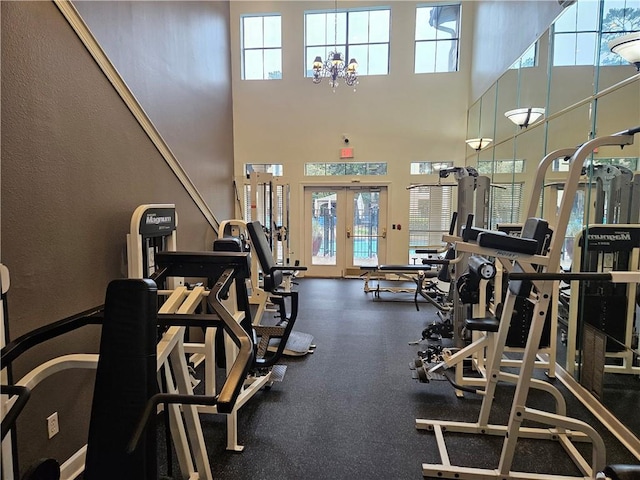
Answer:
[(346, 152)]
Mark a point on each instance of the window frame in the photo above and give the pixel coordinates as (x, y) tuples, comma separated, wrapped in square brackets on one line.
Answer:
[(601, 54), (437, 215), (344, 47), (457, 39), (243, 49)]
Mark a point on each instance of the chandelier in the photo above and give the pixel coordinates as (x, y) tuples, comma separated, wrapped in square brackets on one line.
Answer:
[(334, 67)]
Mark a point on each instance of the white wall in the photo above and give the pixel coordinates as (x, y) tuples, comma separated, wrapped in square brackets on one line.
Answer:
[(398, 118)]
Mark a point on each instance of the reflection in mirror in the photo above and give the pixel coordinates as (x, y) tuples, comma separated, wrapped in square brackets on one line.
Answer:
[(572, 55), (506, 199), (529, 150), (507, 99), (571, 129), (533, 86), (590, 92), (488, 114), (618, 18), (473, 120), (613, 114)]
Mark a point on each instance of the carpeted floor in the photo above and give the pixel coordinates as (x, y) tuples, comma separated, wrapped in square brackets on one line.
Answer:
[(348, 410)]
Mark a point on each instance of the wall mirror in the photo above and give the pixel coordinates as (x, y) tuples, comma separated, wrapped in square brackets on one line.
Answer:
[(586, 91)]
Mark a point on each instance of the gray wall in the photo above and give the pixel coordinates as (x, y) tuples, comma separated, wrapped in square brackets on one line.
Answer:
[(175, 58), (75, 164)]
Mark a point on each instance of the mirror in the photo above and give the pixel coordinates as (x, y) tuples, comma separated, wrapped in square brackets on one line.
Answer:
[(507, 100), (488, 114), (587, 91)]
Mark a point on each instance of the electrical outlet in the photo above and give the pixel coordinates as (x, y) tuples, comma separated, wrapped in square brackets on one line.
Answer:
[(52, 425)]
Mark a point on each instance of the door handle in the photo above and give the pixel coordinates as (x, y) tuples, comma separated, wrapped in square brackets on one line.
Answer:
[(383, 234)]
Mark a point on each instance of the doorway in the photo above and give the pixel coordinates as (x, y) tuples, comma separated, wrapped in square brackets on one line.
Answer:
[(345, 228)]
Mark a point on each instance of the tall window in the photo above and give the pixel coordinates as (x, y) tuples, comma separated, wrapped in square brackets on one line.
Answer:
[(437, 38), (581, 34), (528, 58), (506, 200), (618, 18), (489, 167), (359, 34), (430, 210), (428, 168), (261, 47)]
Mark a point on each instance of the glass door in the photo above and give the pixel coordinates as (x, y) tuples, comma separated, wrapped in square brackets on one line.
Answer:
[(345, 229)]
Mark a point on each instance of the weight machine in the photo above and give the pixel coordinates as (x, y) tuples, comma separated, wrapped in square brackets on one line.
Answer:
[(268, 197), (130, 356), (617, 195), (472, 199), (518, 255), (610, 242), (609, 307), (153, 236), (271, 284)]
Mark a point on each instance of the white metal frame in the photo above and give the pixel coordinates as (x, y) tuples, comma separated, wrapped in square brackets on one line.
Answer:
[(561, 427), (182, 301)]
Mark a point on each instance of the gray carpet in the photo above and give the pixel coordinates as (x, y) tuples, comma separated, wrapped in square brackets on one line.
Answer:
[(348, 410)]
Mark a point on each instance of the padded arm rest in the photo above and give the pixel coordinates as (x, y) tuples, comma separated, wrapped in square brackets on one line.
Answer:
[(503, 241)]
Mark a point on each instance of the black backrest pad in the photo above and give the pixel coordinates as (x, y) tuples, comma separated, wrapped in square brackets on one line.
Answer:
[(203, 264), (125, 380), (227, 244), (538, 230), (272, 278)]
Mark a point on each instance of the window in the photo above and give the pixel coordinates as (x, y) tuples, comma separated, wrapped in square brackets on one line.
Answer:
[(581, 35), (528, 58), (261, 47), (619, 18), (505, 203), (488, 167), (351, 168), (430, 210), (427, 168), (631, 163), (437, 38), (273, 168), (359, 34), (574, 35)]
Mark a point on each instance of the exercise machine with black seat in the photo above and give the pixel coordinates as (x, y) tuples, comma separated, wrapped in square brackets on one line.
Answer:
[(271, 284), (153, 236), (121, 439), (517, 255)]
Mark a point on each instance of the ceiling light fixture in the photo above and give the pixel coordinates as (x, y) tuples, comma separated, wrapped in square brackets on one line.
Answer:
[(523, 117), (628, 47), (335, 68), (479, 143)]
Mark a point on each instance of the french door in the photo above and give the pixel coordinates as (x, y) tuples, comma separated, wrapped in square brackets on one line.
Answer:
[(345, 228)]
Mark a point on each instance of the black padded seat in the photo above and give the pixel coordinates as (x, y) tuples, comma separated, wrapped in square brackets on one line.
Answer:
[(487, 324), (622, 472), (471, 234)]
